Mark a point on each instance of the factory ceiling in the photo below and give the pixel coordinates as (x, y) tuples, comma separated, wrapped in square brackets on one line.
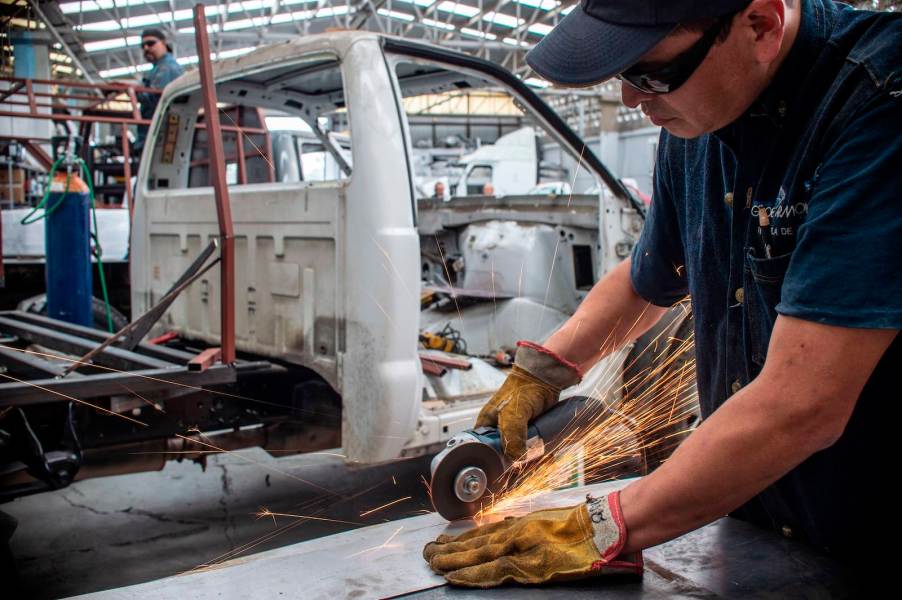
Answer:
[(103, 36)]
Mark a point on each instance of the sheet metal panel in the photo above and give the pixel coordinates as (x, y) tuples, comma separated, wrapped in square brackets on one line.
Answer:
[(725, 559)]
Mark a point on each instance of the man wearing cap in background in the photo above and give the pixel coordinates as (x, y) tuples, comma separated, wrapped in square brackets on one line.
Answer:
[(776, 208), (165, 69)]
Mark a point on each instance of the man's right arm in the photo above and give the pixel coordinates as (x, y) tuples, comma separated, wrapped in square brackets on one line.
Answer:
[(611, 315)]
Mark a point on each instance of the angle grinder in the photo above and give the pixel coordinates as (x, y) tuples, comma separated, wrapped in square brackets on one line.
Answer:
[(467, 470)]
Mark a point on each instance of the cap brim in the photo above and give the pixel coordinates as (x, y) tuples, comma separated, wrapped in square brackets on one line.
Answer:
[(582, 50)]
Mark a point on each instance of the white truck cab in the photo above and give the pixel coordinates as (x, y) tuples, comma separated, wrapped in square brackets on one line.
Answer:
[(331, 269)]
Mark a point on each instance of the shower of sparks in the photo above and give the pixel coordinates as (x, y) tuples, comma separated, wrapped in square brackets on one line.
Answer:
[(394, 269), (248, 138), (265, 512), (384, 544), (579, 163), (441, 254), (384, 506), (557, 245), (153, 405), (74, 399), (611, 435)]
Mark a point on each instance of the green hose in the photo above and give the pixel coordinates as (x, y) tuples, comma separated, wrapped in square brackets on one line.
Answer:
[(97, 251)]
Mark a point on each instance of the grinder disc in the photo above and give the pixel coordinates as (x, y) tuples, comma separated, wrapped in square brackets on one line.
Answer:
[(473, 463)]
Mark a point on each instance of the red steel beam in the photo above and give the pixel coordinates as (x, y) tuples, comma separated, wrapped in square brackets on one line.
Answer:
[(38, 154), (447, 361), (220, 188), (121, 87), (79, 118), (204, 360)]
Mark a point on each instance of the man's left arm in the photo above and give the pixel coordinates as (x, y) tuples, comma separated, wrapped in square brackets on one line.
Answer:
[(798, 405), (840, 308)]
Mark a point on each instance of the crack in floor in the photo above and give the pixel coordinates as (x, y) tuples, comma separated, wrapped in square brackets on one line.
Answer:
[(224, 503), (74, 504), (162, 536)]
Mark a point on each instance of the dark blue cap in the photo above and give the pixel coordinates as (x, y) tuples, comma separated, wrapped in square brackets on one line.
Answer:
[(601, 38)]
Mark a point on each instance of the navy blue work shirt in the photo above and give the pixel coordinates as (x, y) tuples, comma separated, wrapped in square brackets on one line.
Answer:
[(164, 71), (820, 151)]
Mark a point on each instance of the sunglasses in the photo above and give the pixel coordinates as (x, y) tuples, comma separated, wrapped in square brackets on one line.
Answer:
[(149, 44), (668, 78)]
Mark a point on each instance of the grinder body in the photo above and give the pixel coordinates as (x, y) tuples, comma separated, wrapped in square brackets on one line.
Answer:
[(466, 471)]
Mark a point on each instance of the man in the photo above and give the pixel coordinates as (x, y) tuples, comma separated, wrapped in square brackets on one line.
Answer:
[(438, 191), (776, 208), (165, 69)]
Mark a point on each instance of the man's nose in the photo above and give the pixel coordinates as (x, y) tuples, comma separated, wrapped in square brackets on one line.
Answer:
[(631, 96)]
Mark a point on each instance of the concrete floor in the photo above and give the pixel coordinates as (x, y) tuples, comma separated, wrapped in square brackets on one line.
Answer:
[(109, 532)]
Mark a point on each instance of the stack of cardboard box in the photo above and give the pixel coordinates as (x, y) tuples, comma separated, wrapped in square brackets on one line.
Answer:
[(12, 184)]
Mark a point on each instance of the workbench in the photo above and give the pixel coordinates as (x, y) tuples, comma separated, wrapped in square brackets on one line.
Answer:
[(727, 558)]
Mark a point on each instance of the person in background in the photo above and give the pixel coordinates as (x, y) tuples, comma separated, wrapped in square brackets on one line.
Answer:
[(488, 190), (165, 69), (439, 191)]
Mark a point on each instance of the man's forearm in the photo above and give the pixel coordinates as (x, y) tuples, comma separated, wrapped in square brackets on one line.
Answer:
[(611, 315), (799, 404), (738, 451)]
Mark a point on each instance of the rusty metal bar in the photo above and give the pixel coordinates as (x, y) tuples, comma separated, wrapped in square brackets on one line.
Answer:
[(15, 89), (242, 167), (220, 188), (38, 154), (231, 128), (79, 118), (30, 91), (204, 360), (120, 87), (447, 361), (430, 368), (136, 112)]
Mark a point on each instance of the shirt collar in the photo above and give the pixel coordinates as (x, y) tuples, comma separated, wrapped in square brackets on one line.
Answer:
[(776, 101)]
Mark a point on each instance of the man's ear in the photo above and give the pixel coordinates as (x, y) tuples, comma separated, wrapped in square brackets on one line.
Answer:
[(764, 23)]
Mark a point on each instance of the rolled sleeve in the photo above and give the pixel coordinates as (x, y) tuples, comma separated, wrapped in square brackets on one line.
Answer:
[(846, 269), (658, 271)]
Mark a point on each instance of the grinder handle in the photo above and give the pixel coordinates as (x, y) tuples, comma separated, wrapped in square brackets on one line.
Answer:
[(562, 419)]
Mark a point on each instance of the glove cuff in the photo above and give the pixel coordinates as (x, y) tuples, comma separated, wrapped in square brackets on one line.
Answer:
[(542, 363), (608, 525)]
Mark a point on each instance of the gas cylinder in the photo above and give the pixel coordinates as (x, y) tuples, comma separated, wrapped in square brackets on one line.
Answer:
[(68, 250)]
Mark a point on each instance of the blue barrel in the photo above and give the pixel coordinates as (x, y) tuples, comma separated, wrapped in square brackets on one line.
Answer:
[(68, 247)]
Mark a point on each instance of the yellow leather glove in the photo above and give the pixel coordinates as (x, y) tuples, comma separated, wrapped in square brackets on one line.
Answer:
[(533, 386), (558, 544)]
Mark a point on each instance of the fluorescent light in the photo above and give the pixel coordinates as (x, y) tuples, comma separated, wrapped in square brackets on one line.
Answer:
[(540, 29), (536, 82), (438, 24), (68, 8), (393, 14), (234, 52), (543, 4), (120, 71), (502, 19), (119, 42), (569, 9), (420, 3), (477, 33), (182, 60), (464, 10), (515, 42), (244, 24), (302, 15)]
